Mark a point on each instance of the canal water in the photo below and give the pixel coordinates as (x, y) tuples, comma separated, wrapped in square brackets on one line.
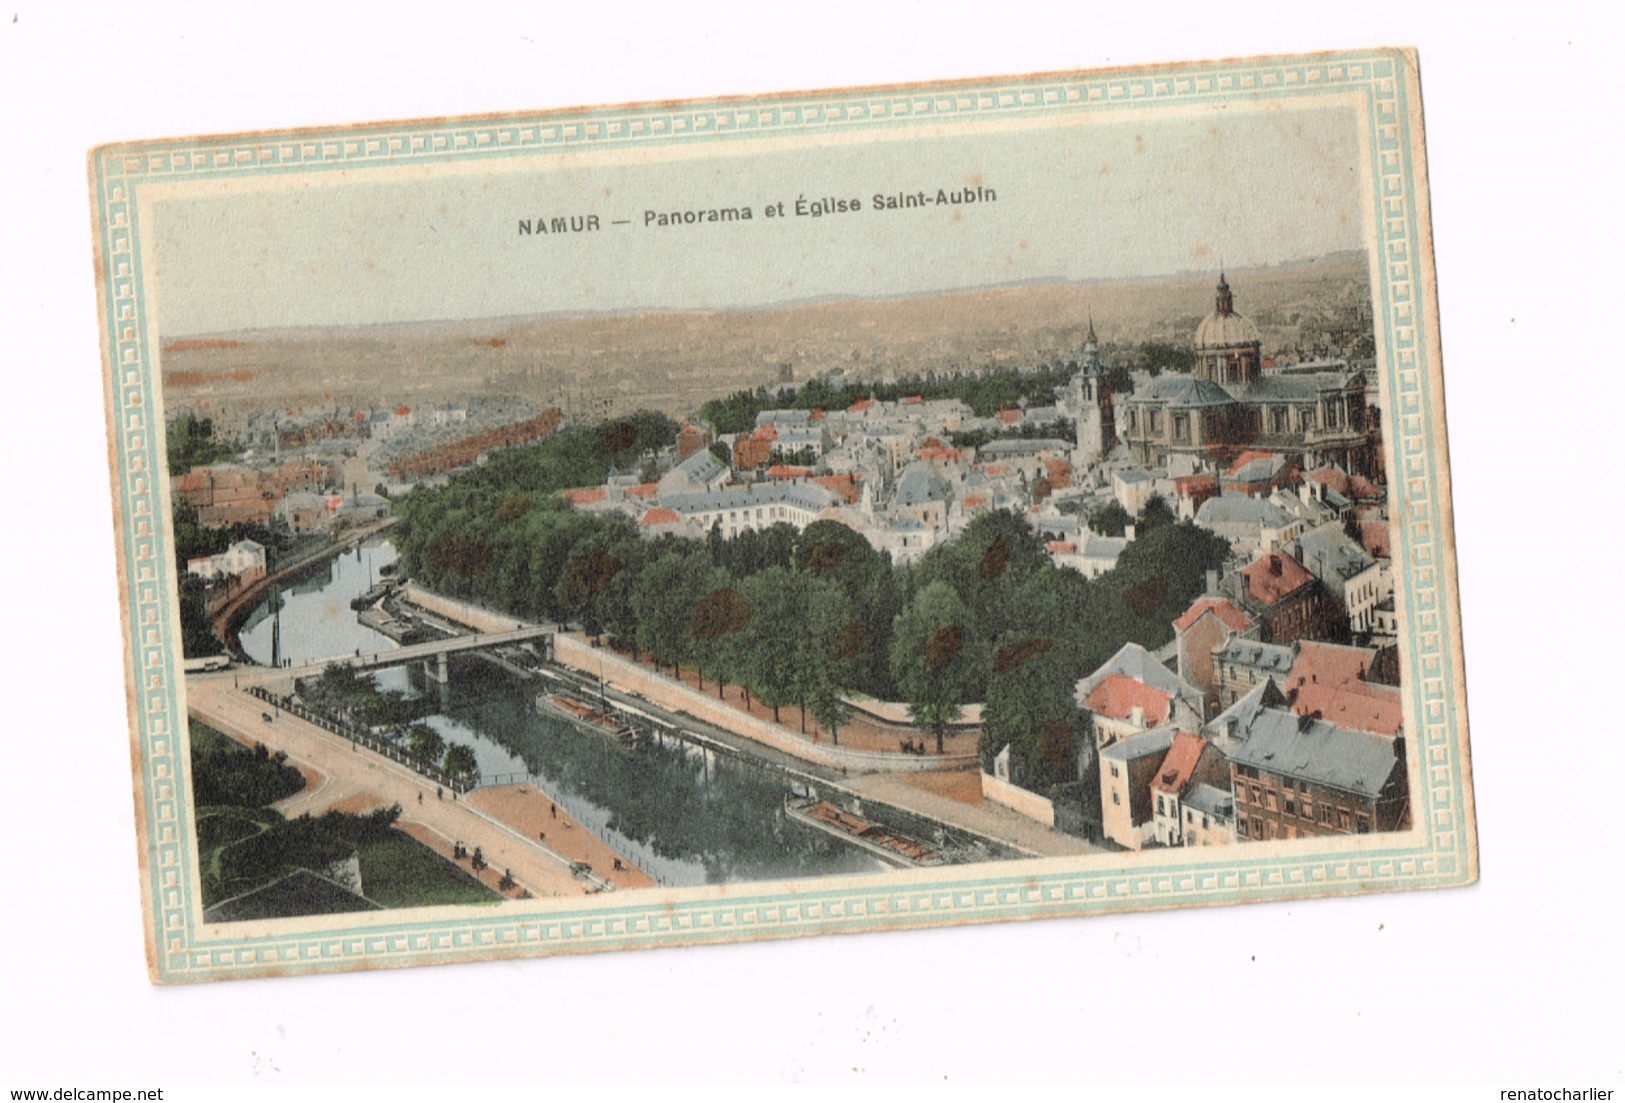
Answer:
[(681, 814)]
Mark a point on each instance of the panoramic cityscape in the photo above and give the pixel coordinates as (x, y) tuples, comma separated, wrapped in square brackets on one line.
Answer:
[(1118, 583)]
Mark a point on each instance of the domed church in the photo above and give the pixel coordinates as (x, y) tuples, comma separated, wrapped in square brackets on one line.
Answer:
[(1229, 403)]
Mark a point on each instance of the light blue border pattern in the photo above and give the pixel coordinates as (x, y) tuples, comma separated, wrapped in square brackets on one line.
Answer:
[(1439, 853)]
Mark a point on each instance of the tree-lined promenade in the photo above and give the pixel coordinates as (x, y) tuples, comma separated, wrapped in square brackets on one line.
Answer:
[(801, 618)]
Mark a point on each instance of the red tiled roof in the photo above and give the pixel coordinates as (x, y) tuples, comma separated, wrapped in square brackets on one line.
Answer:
[(843, 486), (860, 405), (1330, 680), (402, 411), (1328, 663), (1378, 538), (1118, 695), (1273, 577), (975, 501), (660, 516), (817, 416), (912, 399), (944, 455), (1057, 467), (766, 432), (1233, 618), (785, 471), (1361, 488), (1060, 547), (1353, 487), (1188, 485), (1179, 763), (643, 490), (1009, 417), (997, 469), (1363, 706), (585, 496), (1248, 457)]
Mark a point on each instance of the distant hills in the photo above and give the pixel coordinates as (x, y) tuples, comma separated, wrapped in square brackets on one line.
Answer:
[(595, 365)]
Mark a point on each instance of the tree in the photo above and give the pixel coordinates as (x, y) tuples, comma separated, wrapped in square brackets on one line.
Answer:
[(1161, 357), (424, 743), (825, 652), (663, 600), (715, 625), (771, 637), (1155, 514), (460, 761), (1030, 707), (1110, 519), (933, 657)]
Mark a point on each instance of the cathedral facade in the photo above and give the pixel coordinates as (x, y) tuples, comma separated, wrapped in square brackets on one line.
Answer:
[(1229, 403)]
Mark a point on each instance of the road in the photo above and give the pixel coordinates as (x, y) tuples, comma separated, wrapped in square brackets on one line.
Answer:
[(348, 773)]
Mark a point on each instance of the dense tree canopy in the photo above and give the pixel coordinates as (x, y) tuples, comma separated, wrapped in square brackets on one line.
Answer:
[(802, 618)]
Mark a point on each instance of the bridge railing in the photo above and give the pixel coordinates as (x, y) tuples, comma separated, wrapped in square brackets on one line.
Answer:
[(364, 738)]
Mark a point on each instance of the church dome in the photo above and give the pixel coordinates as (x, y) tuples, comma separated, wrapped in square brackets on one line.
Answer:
[(1224, 328)]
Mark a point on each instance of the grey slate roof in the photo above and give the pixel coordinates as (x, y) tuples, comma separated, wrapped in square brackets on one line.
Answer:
[(1276, 387), (1233, 509), (919, 486), (1211, 801), (702, 466), (1184, 390), (1329, 546), (806, 495), (1274, 658), (1153, 741), (1316, 750)]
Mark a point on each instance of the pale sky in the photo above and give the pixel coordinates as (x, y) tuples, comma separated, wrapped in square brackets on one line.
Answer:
[(1115, 197)]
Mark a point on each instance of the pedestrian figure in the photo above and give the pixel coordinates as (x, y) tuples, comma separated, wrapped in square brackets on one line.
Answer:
[(554, 809), (618, 864), (542, 835), (420, 798), (439, 793)]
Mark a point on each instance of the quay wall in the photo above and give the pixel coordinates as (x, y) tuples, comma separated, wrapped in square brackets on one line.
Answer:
[(1017, 799), (630, 677)]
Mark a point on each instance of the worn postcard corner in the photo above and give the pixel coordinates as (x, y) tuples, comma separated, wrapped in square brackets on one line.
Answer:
[(845, 510)]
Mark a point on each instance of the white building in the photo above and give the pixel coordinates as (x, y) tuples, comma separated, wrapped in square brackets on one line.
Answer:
[(242, 558)]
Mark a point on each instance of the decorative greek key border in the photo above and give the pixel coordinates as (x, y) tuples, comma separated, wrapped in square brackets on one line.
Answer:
[(1437, 854)]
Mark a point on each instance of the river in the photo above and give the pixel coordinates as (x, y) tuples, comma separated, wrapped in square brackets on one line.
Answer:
[(682, 815)]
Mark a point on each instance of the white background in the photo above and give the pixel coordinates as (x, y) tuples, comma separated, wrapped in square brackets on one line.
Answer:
[(1514, 981)]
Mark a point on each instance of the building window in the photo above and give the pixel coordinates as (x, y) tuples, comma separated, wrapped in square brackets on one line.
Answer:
[(1343, 818), (1362, 825), (1182, 427), (1114, 770), (1291, 808), (1115, 798)]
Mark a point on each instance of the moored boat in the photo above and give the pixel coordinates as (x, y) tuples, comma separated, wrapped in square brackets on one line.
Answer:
[(892, 847)]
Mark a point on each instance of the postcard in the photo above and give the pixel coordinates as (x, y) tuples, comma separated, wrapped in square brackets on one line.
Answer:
[(834, 511)]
